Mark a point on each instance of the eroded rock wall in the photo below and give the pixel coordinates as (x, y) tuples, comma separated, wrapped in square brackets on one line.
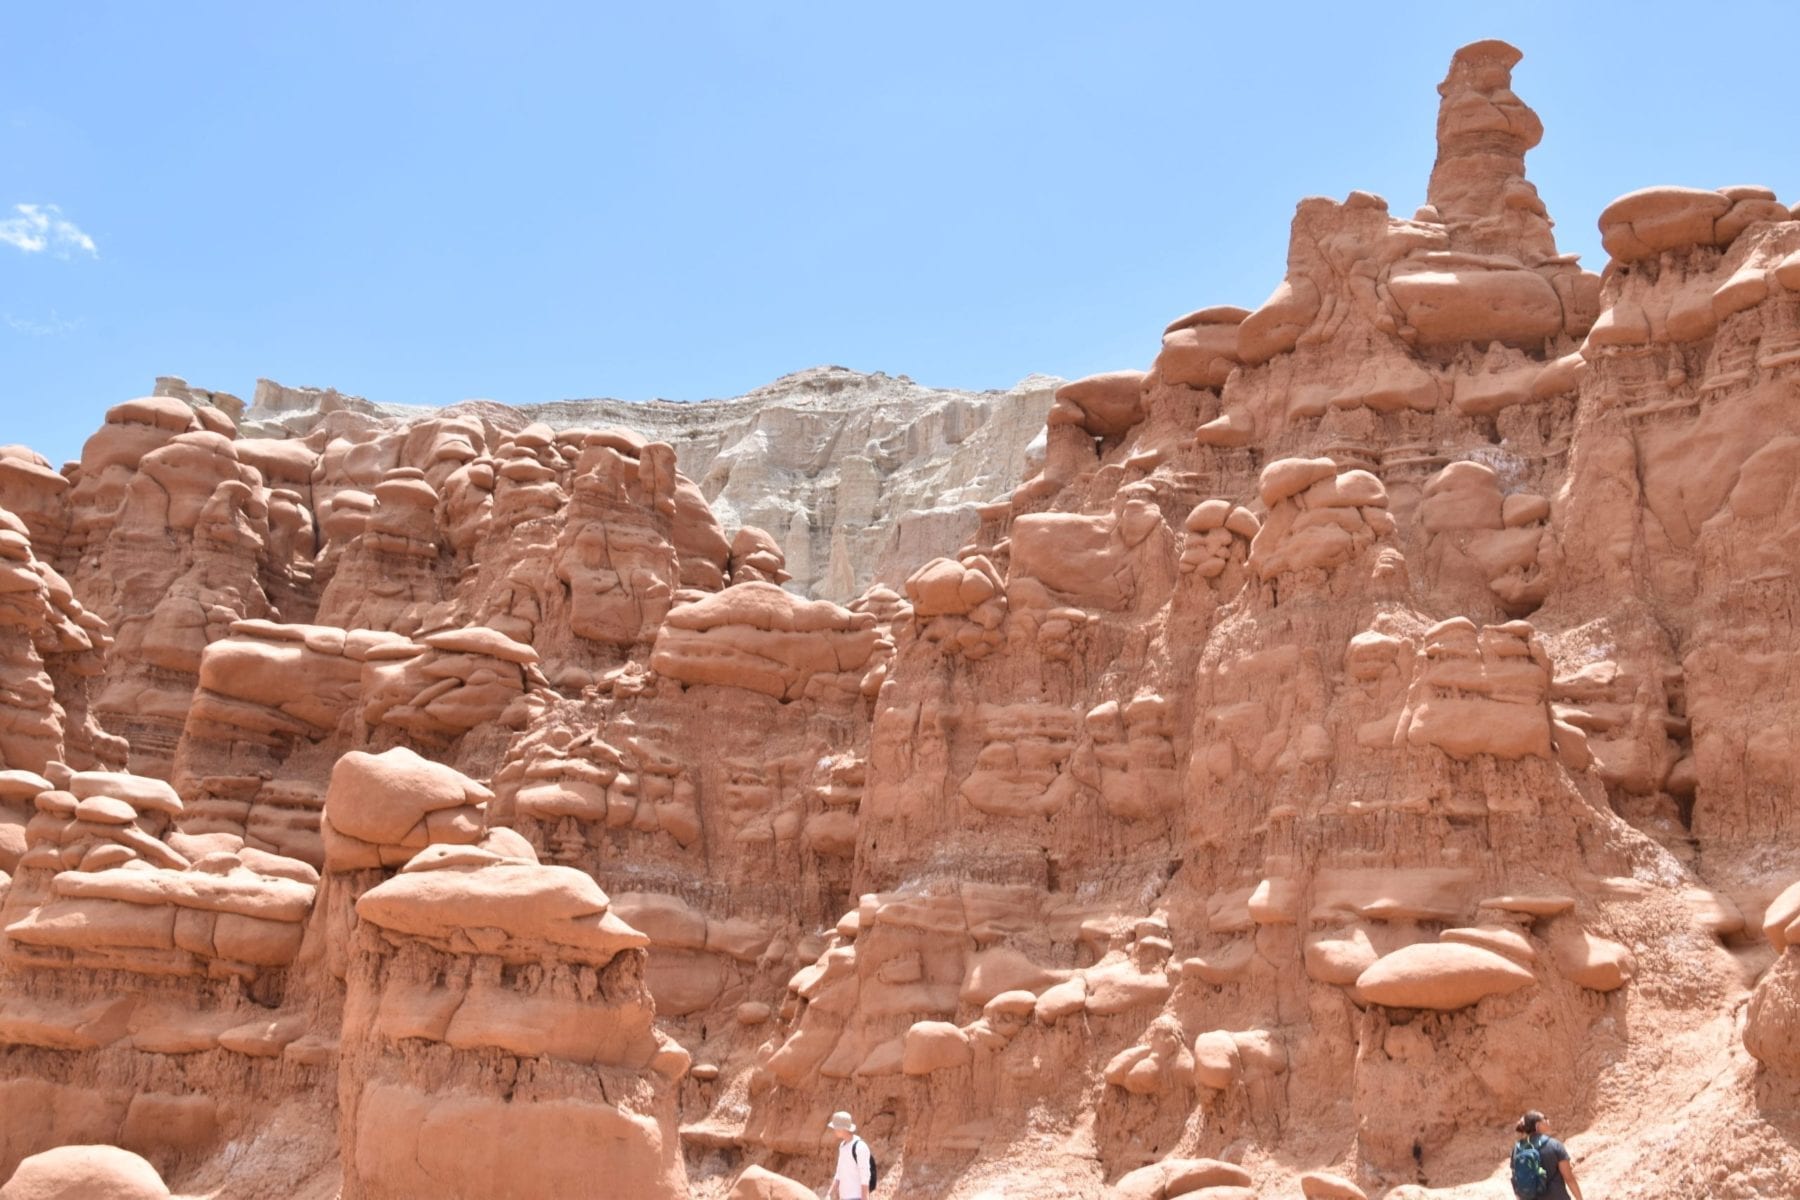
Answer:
[(860, 477), (1368, 722)]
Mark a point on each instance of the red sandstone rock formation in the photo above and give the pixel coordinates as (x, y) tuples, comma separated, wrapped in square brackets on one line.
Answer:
[(1371, 721)]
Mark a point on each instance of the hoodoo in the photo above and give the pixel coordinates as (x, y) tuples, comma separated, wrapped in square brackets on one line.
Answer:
[(1369, 718)]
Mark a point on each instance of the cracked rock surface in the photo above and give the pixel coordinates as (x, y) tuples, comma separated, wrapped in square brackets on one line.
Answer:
[(1370, 719)]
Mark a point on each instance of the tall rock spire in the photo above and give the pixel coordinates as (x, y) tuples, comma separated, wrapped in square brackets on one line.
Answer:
[(1478, 186)]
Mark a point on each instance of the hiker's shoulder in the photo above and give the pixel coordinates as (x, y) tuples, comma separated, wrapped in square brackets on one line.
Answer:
[(1552, 1146)]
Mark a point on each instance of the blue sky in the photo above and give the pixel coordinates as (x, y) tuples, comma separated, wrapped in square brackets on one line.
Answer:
[(422, 202)]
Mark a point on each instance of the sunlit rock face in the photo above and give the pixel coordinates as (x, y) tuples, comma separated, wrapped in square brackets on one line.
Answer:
[(1265, 769), (858, 477)]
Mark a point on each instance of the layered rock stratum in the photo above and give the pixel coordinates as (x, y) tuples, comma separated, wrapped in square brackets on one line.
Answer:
[(859, 477), (1371, 721)]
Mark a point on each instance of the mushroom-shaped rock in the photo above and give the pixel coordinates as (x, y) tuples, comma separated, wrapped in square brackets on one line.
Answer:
[(532, 906), (1200, 349), (92, 913), (142, 793), (1106, 405), (230, 890), (1192, 1173), (379, 808), (1290, 476), (1644, 223), (85, 1173), (1440, 975), (380, 797)]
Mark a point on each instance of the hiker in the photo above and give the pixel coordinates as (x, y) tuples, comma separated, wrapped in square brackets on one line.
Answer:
[(855, 1176), (1541, 1167)]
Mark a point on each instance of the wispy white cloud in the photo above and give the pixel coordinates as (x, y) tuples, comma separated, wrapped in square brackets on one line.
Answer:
[(54, 327), (41, 227)]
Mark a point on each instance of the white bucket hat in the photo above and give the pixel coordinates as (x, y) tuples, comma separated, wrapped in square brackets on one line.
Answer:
[(843, 1121)]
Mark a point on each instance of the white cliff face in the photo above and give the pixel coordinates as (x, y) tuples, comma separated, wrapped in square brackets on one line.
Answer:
[(856, 475), (859, 477)]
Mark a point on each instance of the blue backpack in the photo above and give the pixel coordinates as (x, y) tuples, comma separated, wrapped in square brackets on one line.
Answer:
[(1529, 1179)]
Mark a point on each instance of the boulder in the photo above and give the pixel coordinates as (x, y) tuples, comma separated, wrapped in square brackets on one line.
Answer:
[(1201, 353), (85, 1173), (757, 637), (1453, 302), (1290, 476), (1593, 962), (760, 1183), (1217, 1061), (142, 793), (935, 1046), (1782, 912), (1440, 975), (1107, 404), (535, 907), (379, 798), (1322, 1185), (1172, 1177), (1646, 222)]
